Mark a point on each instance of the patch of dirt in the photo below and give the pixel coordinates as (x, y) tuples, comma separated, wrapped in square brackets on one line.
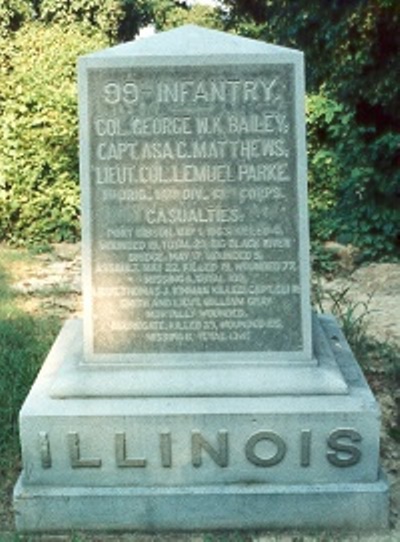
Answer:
[(51, 282), (374, 289)]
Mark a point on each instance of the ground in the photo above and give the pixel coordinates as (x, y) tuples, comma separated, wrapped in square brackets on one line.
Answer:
[(368, 297)]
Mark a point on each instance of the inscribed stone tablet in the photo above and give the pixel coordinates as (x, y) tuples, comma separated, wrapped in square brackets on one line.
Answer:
[(194, 209)]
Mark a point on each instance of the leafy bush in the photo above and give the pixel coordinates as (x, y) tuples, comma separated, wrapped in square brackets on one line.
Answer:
[(38, 135), (13, 13), (169, 14), (352, 52), (347, 202), (119, 20), (326, 123), (368, 203)]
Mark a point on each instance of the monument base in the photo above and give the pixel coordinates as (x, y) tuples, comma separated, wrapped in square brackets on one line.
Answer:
[(311, 506), (181, 463), (161, 376)]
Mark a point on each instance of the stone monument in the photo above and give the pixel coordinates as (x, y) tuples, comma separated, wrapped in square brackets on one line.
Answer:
[(199, 392)]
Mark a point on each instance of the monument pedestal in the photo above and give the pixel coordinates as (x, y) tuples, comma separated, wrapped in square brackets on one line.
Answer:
[(150, 463)]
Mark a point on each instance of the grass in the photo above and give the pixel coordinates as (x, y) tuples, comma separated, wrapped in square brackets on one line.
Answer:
[(24, 342), (352, 315), (353, 319)]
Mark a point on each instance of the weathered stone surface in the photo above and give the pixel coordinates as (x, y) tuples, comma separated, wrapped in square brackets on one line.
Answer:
[(194, 192), (160, 441), (324, 448), (312, 506), (176, 377)]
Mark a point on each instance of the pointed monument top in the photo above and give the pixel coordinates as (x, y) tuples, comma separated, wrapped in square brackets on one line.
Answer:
[(192, 40)]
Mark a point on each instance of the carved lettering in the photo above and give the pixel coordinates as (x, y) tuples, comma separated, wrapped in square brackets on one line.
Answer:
[(219, 454), (305, 448), (166, 449), (121, 455), (224, 90), (201, 167), (45, 454), (75, 458), (264, 448), (343, 451), (115, 92), (269, 436)]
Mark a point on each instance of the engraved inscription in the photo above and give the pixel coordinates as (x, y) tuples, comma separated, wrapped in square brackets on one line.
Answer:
[(166, 449), (344, 451), (305, 448), (45, 454), (219, 454), (120, 453), (76, 461), (195, 227), (264, 448), (277, 455)]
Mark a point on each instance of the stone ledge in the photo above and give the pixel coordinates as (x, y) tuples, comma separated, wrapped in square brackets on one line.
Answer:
[(347, 507), (76, 378)]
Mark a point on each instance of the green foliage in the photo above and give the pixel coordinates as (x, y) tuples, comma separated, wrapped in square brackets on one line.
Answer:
[(324, 262), (352, 316), (24, 341), (352, 52), (119, 20), (326, 123), (347, 200), (39, 191), (169, 14), (13, 13)]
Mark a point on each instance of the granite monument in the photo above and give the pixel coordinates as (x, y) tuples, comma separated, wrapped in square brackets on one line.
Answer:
[(199, 392)]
